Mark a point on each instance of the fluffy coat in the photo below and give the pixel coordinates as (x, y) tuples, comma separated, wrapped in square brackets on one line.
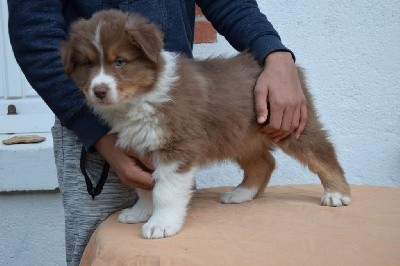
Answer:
[(185, 113)]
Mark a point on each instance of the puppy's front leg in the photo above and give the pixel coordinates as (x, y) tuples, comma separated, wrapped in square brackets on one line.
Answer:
[(171, 196), (140, 212)]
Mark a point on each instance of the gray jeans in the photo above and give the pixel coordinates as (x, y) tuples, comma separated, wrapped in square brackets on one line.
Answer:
[(82, 214)]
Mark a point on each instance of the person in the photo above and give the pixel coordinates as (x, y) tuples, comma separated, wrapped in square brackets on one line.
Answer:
[(38, 29)]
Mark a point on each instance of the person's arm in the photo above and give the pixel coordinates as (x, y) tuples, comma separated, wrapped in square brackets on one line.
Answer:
[(37, 29), (246, 28)]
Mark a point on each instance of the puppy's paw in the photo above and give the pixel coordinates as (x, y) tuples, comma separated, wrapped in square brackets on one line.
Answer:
[(334, 199), (160, 228), (134, 215), (239, 195)]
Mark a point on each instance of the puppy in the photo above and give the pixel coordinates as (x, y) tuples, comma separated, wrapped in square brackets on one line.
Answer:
[(185, 113)]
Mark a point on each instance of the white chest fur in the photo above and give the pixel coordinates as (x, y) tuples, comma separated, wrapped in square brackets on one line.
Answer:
[(137, 122)]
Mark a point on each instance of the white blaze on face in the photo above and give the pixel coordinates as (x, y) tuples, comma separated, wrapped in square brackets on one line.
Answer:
[(102, 77)]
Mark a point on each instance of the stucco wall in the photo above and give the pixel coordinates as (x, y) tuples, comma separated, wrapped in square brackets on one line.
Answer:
[(350, 52)]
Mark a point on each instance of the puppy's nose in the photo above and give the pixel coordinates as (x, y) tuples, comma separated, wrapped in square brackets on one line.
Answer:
[(100, 91)]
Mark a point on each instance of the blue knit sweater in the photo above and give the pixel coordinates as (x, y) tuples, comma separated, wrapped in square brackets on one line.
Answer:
[(37, 29)]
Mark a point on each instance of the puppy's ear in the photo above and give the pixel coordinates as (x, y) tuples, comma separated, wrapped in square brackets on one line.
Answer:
[(66, 57), (67, 48), (148, 37)]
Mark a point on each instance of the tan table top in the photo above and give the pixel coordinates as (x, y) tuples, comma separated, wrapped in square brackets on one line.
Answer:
[(286, 226)]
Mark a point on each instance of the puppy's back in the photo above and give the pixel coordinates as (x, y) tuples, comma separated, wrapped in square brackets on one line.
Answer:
[(230, 87), (228, 74), (213, 108)]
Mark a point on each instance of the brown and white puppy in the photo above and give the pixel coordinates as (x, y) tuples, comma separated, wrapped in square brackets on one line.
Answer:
[(186, 113)]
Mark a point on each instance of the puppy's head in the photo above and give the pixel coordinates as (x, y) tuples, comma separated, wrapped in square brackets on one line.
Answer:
[(113, 56)]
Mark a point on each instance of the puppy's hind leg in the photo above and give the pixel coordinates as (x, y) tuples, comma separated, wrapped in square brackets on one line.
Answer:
[(315, 150), (257, 168)]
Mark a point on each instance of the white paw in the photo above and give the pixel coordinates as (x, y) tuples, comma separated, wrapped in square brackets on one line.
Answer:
[(239, 195), (134, 215), (334, 199), (161, 227)]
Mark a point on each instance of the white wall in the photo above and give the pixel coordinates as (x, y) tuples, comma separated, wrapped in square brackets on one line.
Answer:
[(350, 52)]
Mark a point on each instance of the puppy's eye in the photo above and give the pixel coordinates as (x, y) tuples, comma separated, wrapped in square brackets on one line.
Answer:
[(119, 62), (89, 64)]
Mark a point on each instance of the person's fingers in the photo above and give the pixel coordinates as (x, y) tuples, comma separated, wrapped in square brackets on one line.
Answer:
[(147, 167), (281, 137), (261, 94), (294, 125), (275, 119), (284, 94), (274, 134), (285, 129), (287, 119), (303, 120), (278, 135), (148, 163), (296, 119), (290, 122), (136, 177), (144, 162)]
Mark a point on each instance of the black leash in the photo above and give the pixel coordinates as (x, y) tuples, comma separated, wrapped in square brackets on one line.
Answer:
[(89, 185)]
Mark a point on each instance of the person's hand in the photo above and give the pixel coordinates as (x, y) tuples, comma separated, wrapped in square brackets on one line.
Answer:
[(279, 85), (125, 163)]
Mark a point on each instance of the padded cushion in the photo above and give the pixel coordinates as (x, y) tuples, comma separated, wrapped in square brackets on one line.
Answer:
[(285, 226)]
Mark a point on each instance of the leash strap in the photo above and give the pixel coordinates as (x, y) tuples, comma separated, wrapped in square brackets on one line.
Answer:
[(93, 191)]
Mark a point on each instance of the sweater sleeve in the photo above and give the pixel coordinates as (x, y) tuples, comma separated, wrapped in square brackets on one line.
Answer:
[(244, 26), (37, 30)]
